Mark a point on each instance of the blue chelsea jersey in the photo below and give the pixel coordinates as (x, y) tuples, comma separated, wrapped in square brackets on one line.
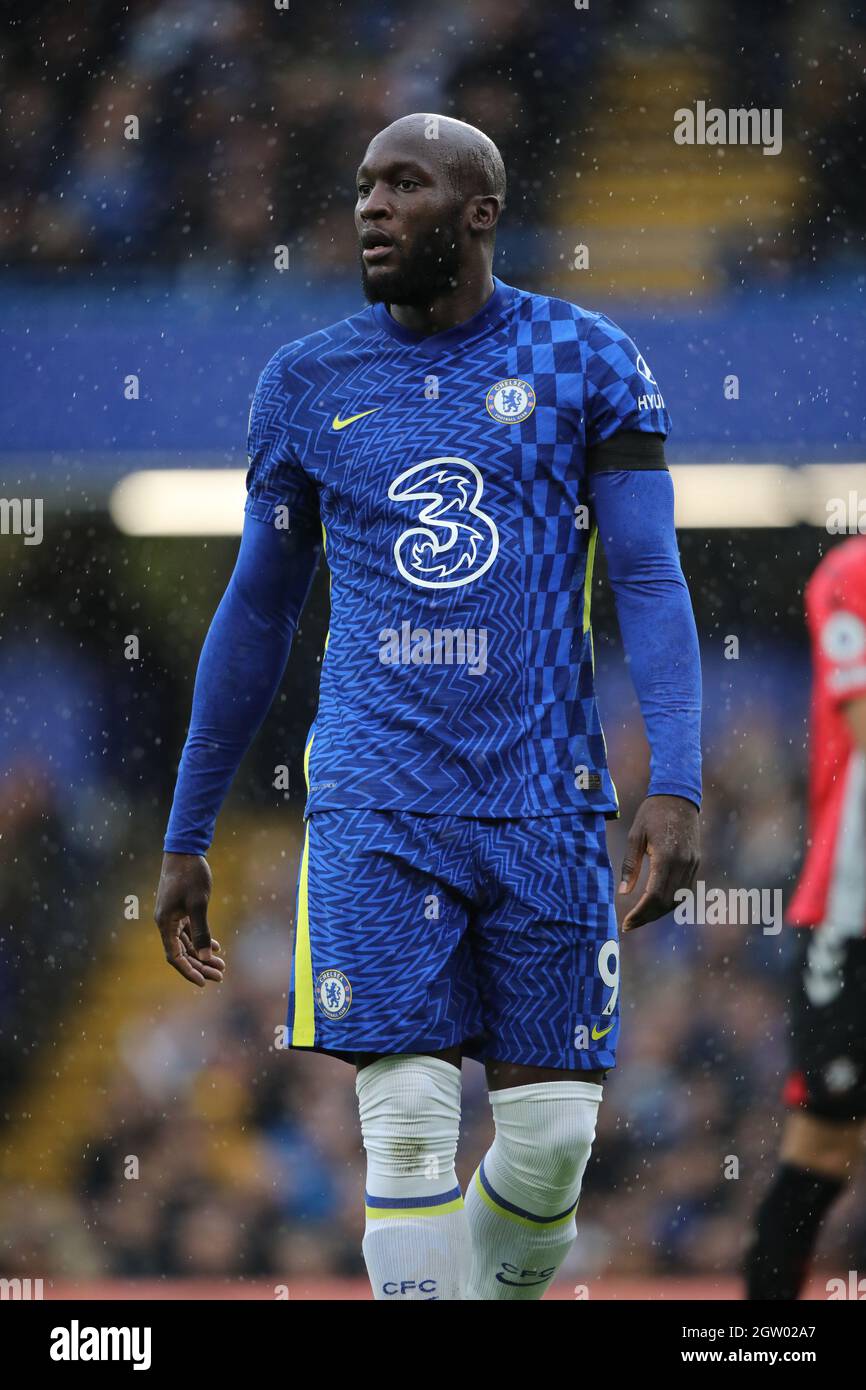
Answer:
[(447, 476)]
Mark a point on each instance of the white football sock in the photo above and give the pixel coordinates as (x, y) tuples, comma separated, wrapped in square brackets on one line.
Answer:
[(522, 1199), (416, 1240)]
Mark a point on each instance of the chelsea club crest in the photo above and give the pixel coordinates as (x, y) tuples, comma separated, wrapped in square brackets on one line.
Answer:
[(333, 994), (510, 401)]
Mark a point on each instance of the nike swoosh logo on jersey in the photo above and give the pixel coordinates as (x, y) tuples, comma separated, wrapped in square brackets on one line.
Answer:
[(603, 1034), (338, 424)]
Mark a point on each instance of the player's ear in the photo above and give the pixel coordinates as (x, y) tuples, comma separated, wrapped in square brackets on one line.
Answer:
[(483, 210)]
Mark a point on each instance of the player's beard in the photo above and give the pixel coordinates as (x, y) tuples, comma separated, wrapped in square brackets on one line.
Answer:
[(428, 270)]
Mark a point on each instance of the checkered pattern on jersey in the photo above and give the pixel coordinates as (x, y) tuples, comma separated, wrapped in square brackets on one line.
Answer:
[(465, 930), (584, 370), (434, 736), (621, 391)]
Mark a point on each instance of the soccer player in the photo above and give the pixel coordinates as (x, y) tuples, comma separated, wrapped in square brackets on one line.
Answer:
[(456, 449), (821, 1141)]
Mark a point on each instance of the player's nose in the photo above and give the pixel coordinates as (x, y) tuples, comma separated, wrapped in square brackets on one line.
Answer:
[(375, 205)]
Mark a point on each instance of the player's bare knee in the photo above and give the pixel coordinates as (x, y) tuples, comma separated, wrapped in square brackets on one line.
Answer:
[(827, 1146)]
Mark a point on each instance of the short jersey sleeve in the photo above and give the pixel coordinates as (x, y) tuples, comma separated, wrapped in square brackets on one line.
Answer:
[(836, 615), (275, 476), (620, 391)]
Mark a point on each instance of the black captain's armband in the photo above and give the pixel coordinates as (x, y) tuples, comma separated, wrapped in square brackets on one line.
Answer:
[(627, 449)]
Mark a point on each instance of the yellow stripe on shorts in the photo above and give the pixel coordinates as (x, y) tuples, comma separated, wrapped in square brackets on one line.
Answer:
[(304, 1023)]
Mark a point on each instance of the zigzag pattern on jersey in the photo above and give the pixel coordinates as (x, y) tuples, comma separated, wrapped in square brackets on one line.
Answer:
[(510, 961), (547, 912), (276, 476), (376, 881), (457, 738), (361, 525)]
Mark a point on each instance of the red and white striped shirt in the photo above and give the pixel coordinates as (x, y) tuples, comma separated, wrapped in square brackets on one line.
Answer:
[(832, 884)]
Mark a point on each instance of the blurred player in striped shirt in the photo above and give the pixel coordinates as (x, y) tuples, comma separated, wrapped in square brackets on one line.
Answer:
[(826, 1088)]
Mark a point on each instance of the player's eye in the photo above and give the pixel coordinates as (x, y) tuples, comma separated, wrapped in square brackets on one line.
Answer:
[(405, 184), (363, 190)]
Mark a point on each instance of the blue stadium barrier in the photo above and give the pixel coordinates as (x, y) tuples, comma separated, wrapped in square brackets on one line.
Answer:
[(197, 353)]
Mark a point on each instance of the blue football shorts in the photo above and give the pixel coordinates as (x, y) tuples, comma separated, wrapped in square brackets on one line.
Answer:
[(416, 933)]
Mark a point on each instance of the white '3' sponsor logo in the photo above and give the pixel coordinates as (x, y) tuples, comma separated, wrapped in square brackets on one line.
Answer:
[(453, 541)]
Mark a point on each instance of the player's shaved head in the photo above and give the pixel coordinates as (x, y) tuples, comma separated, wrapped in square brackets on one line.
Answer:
[(430, 191), (469, 159)]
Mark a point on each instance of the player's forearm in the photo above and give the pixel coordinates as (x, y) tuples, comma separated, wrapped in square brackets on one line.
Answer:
[(661, 644), (240, 668), (227, 710), (636, 527)]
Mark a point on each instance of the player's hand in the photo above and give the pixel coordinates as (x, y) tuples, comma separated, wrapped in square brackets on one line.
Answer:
[(181, 914), (667, 830)]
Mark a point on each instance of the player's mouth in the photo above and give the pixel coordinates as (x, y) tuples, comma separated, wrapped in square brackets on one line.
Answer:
[(375, 247)]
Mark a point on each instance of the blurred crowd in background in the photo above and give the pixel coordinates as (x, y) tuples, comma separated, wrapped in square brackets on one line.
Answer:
[(251, 119), (248, 1157)]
